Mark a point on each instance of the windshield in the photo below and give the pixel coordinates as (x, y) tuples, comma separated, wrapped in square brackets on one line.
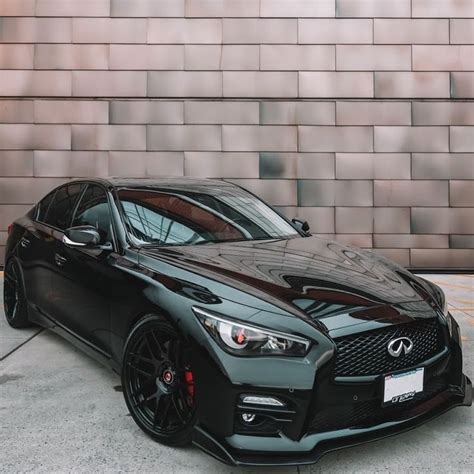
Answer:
[(178, 217)]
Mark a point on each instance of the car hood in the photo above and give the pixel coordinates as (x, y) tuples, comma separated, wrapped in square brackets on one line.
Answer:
[(316, 277)]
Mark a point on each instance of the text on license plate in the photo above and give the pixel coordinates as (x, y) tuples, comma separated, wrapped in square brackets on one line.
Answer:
[(403, 387)]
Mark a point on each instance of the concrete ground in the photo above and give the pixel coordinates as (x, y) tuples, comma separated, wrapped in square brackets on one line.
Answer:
[(61, 411)]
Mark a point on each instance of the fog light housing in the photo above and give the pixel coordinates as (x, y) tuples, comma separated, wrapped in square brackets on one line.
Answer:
[(248, 418), (265, 400)]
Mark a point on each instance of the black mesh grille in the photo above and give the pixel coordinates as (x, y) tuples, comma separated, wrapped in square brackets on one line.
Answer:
[(370, 412), (366, 353)]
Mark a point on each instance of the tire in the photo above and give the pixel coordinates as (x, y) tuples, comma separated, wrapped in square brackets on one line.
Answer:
[(158, 383), (14, 297)]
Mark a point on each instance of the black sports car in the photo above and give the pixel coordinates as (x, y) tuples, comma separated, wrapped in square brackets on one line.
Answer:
[(233, 327)]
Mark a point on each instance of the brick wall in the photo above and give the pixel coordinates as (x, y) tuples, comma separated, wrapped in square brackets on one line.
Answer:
[(356, 115)]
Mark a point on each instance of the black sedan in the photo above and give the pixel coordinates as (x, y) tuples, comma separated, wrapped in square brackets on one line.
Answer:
[(231, 326)]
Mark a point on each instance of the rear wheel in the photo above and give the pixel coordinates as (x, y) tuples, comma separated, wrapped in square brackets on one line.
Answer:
[(158, 382), (16, 310)]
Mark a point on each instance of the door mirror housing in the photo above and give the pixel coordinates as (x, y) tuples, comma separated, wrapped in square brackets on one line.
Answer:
[(84, 236), (301, 225)]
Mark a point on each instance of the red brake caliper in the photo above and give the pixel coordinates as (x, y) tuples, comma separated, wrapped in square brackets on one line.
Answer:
[(188, 377)]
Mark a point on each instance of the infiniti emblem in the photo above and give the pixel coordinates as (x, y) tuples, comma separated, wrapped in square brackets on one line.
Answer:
[(400, 345)]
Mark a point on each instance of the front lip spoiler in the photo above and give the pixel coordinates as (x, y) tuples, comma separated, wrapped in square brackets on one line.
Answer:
[(443, 402)]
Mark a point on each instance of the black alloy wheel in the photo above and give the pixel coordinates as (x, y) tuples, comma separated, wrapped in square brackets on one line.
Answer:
[(158, 382), (16, 311)]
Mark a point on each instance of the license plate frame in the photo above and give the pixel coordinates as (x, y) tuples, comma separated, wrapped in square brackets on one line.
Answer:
[(402, 387)]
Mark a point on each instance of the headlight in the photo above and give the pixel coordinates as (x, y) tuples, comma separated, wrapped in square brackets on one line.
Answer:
[(246, 340)]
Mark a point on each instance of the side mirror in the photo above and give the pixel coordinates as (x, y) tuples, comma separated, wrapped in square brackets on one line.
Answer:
[(301, 225), (84, 236)]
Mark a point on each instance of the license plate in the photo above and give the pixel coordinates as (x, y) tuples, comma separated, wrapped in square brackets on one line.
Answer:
[(402, 387)]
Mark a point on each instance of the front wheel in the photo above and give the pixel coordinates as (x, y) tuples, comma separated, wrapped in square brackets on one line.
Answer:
[(158, 382), (16, 310)]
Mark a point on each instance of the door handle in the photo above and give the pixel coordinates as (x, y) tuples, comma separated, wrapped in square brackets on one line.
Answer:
[(24, 242), (59, 259)]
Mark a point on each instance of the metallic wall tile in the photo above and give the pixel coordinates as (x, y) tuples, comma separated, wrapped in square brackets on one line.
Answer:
[(297, 57), (400, 256), (2, 255), (71, 56), (364, 57), (404, 31), (108, 137), (222, 8), (442, 166), (461, 193), (221, 165), (16, 111), (184, 84), (221, 57), (320, 219), (373, 113), (184, 30), (446, 258), (443, 113), (10, 212), (278, 165), (17, 8), (297, 8), (35, 30), (461, 31), (297, 113), (411, 241), (336, 84), (35, 83), (260, 84), (280, 192), (127, 163), (16, 163), (29, 137), (109, 30), (416, 139), (16, 56), (443, 58), (442, 220), (213, 112), (334, 31), (373, 8), (357, 220), (26, 190), (258, 138), (442, 9), (334, 193), (315, 166), (373, 166), (259, 31), (71, 163), (327, 139), (392, 220), (147, 8), (72, 7), (462, 139), (411, 193), (146, 57), (3, 238), (461, 241), (109, 83), (412, 84), (165, 164), (462, 85), (184, 137), (357, 240), (146, 112), (71, 111)]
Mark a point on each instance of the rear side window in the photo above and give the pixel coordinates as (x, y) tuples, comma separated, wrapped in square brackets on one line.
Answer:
[(43, 206), (60, 211)]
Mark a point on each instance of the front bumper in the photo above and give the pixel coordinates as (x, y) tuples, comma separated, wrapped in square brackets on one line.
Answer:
[(283, 451)]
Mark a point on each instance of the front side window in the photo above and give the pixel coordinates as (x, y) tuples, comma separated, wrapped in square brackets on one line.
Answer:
[(179, 217), (93, 209), (59, 212)]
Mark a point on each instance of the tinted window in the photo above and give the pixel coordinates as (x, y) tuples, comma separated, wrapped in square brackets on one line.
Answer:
[(60, 211), (178, 217), (93, 209), (43, 206)]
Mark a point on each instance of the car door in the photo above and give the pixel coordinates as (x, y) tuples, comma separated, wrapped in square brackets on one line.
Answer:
[(83, 277)]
